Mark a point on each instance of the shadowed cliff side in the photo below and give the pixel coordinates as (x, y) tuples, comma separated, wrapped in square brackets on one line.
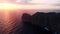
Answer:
[(33, 28)]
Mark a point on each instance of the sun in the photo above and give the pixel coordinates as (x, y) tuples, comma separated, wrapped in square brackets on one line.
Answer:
[(6, 5), (9, 6)]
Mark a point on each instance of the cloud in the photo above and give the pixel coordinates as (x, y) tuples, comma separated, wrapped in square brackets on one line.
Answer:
[(37, 2), (56, 4)]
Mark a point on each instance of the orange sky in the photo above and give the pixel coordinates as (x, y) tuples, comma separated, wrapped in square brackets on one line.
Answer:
[(5, 4), (12, 6)]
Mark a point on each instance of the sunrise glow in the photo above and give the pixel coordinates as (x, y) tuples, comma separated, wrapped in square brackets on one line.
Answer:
[(38, 4), (11, 12), (6, 6)]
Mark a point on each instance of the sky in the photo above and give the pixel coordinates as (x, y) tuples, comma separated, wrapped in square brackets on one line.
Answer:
[(45, 2), (32, 4)]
